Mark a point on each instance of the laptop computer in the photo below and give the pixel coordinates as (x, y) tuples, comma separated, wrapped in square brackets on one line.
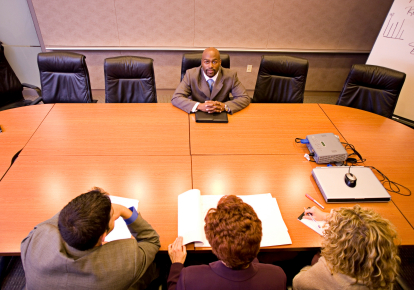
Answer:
[(331, 183)]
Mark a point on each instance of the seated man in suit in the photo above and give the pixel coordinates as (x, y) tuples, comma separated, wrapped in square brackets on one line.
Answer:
[(68, 251), (207, 88)]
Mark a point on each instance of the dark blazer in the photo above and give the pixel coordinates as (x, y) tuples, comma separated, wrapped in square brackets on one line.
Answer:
[(194, 88), (50, 263), (218, 276)]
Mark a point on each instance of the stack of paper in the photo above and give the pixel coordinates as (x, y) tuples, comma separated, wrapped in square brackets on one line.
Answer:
[(121, 230), (193, 207)]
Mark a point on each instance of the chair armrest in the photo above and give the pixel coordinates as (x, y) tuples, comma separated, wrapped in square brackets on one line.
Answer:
[(404, 284), (38, 90), (37, 101)]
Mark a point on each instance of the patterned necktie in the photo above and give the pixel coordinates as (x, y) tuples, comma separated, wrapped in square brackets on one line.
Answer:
[(210, 84)]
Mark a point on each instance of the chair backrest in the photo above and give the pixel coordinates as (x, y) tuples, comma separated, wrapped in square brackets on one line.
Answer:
[(129, 79), (10, 86), (372, 88), (191, 60), (281, 79), (64, 77)]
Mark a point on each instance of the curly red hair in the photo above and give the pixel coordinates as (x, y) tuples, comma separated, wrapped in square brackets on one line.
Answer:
[(234, 232)]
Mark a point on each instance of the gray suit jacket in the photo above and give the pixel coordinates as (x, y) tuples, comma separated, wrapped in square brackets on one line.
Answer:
[(194, 88), (50, 263)]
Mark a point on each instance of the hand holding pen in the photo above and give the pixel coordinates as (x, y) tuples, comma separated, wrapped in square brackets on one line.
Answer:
[(315, 213), (310, 215)]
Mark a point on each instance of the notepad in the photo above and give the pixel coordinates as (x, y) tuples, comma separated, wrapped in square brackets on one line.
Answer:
[(313, 225), (193, 207), (203, 117), (121, 230)]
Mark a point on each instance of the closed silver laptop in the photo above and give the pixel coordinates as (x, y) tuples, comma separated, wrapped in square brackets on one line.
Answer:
[(331, 183)]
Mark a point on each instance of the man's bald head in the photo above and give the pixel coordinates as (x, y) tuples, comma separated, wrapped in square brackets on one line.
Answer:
[(210, 61)]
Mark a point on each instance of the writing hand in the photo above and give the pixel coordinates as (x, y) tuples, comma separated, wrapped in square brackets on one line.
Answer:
[(316, 213), (177, 251)]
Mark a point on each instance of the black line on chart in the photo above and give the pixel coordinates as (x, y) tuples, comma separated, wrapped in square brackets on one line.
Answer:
[(391, 31)]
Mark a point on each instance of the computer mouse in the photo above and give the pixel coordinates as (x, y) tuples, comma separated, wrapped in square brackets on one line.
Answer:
[(350, 179)]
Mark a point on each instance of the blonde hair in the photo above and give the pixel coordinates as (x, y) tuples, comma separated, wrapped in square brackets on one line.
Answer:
[(360, 244)]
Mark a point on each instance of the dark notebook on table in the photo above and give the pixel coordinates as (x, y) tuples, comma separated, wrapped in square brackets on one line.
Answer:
[(203, 117)]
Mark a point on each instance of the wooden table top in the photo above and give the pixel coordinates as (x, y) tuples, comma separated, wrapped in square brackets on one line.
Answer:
[(288, 178), (112, 129), (18, 126), (385, 144), (261, 129), (35, 189), (154, 152)]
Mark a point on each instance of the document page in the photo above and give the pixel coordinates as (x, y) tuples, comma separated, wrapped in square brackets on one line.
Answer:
[(207, 202), (121, 230), (273, 227), (189, 213), (318, 226)]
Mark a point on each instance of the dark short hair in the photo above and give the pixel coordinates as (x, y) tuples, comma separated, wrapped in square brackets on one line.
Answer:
[(234, 232), (85, 218)]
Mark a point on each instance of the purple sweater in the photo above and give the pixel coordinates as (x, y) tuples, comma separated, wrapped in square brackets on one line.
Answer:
[(218, 276)]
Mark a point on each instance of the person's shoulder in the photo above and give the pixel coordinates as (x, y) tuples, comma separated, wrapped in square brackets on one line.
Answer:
[(318, 268), (47, 228), (196, 269), (310, 276), (269, 268), (125, 246), (194, 71), (228, 72)]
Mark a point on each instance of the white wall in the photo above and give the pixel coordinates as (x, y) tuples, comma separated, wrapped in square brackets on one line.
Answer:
[(21, 45)]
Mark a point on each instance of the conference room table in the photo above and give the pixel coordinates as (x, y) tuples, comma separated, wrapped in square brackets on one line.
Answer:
[(154, 152)]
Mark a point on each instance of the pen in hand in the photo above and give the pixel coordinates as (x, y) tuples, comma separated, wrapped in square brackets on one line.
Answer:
[(311, 216)]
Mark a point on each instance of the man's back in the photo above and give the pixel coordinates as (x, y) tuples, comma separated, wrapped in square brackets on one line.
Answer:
[(50, 263)]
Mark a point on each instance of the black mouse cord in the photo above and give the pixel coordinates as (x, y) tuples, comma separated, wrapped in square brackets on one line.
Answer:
[(392, 186)]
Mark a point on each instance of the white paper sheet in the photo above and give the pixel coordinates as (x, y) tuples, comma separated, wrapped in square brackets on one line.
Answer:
[(189, 212), (193, 207), (121, 230), (274, 229), (314, 225)]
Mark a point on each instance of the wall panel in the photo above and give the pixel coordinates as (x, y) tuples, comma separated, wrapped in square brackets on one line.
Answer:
[(232, 23), (77, 22), (328, 24), (155, 23), (266, 24)]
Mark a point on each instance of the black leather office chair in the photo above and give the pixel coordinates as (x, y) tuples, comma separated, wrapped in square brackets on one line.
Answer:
[(64, 78), (129, 79), (281, 79), (12, 274), (372, 88), (10, 87), (191, 60)]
